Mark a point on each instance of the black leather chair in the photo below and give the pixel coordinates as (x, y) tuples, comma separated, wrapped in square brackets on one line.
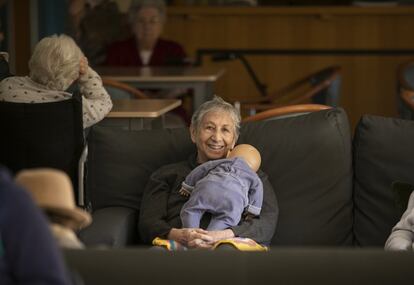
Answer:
[(42, 135), (285, 112), (319, 87)]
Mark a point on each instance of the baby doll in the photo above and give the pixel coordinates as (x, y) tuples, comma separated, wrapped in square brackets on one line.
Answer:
[(226, 188)]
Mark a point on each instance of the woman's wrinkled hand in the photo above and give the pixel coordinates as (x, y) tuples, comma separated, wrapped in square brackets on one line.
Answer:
[(192, 238), (219, 235)]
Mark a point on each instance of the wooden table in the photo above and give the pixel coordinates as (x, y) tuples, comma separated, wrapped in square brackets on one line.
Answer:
[(135, 114), (199, 79)]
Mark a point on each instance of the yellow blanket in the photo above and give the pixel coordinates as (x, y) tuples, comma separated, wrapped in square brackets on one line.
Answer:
[(242, 244)]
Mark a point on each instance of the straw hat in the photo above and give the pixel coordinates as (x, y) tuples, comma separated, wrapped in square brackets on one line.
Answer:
[(52, 190)]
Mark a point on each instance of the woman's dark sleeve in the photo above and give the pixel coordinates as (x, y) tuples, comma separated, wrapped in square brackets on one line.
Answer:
[(262, 228), (153, 212)]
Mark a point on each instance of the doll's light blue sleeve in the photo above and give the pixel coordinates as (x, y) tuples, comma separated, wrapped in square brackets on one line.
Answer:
[(255, 197), (198, 173)]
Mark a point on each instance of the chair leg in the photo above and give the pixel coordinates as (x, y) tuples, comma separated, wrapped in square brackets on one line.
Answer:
[(81, 177)]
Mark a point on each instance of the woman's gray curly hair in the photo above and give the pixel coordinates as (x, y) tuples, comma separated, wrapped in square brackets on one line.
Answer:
[(137, 5), (55, 62), (216, 104)]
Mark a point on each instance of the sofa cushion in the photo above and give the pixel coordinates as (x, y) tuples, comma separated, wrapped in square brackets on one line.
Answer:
[(383, 153), (120, 162), (308, 160)]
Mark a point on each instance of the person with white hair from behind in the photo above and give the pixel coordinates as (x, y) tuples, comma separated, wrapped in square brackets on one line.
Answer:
[(52, 191), (57, 63)]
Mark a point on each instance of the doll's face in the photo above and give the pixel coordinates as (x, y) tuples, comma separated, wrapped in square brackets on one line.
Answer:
[(215, 136)]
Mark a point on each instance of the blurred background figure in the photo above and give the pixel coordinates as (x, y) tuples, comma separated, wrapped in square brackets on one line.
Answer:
[(145, 47), (4, 56), (52, 191), (95, 24), (55, 65), (28, 252)]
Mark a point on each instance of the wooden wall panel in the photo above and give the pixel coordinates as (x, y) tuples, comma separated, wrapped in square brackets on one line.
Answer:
[(368, 81)]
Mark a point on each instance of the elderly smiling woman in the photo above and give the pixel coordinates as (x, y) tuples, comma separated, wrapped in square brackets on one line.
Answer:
[(214, 129), (56, 63)]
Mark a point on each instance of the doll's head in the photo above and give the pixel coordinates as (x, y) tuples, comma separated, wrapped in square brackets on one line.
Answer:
[(249, 153)]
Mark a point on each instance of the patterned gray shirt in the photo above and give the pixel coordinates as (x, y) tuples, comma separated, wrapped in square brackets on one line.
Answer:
[(96, 101)]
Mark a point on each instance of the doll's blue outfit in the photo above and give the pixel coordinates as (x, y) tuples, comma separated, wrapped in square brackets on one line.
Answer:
[(225, 188)]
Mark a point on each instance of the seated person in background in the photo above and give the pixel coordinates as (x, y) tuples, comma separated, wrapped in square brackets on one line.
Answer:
[(402, 234), (4, 57), (28, 252), (57, 63), (226, 188), (145, 47), (4, 66), (52, 191), (94, 24), (214, 130)]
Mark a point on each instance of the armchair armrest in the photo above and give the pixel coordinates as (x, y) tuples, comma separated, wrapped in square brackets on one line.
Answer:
[(111, 226)]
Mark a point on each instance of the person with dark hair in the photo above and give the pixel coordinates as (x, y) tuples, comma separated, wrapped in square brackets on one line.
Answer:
[(28, 251), (95, 24)]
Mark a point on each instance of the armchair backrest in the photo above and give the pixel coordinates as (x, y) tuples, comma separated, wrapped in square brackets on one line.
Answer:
[(285, 111), (320, 87), (42, 135), (383, 154)]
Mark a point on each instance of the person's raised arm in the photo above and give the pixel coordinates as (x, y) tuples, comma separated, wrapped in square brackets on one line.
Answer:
[(96, 101)]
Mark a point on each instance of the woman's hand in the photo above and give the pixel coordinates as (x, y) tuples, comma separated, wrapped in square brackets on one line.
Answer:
[(219, 235), (193, 238), (214, 236), (83, 66)]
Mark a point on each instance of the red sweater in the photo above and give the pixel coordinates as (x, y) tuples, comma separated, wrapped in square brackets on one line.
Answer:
[(126, 53)]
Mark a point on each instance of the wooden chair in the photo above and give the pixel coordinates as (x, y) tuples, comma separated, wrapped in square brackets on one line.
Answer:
[(320, 87), (121, 90), (406, 104), (285, 111), (405, 89)]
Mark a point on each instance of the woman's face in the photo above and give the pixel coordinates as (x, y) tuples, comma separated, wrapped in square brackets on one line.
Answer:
[(148, 27), (215, 136)]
